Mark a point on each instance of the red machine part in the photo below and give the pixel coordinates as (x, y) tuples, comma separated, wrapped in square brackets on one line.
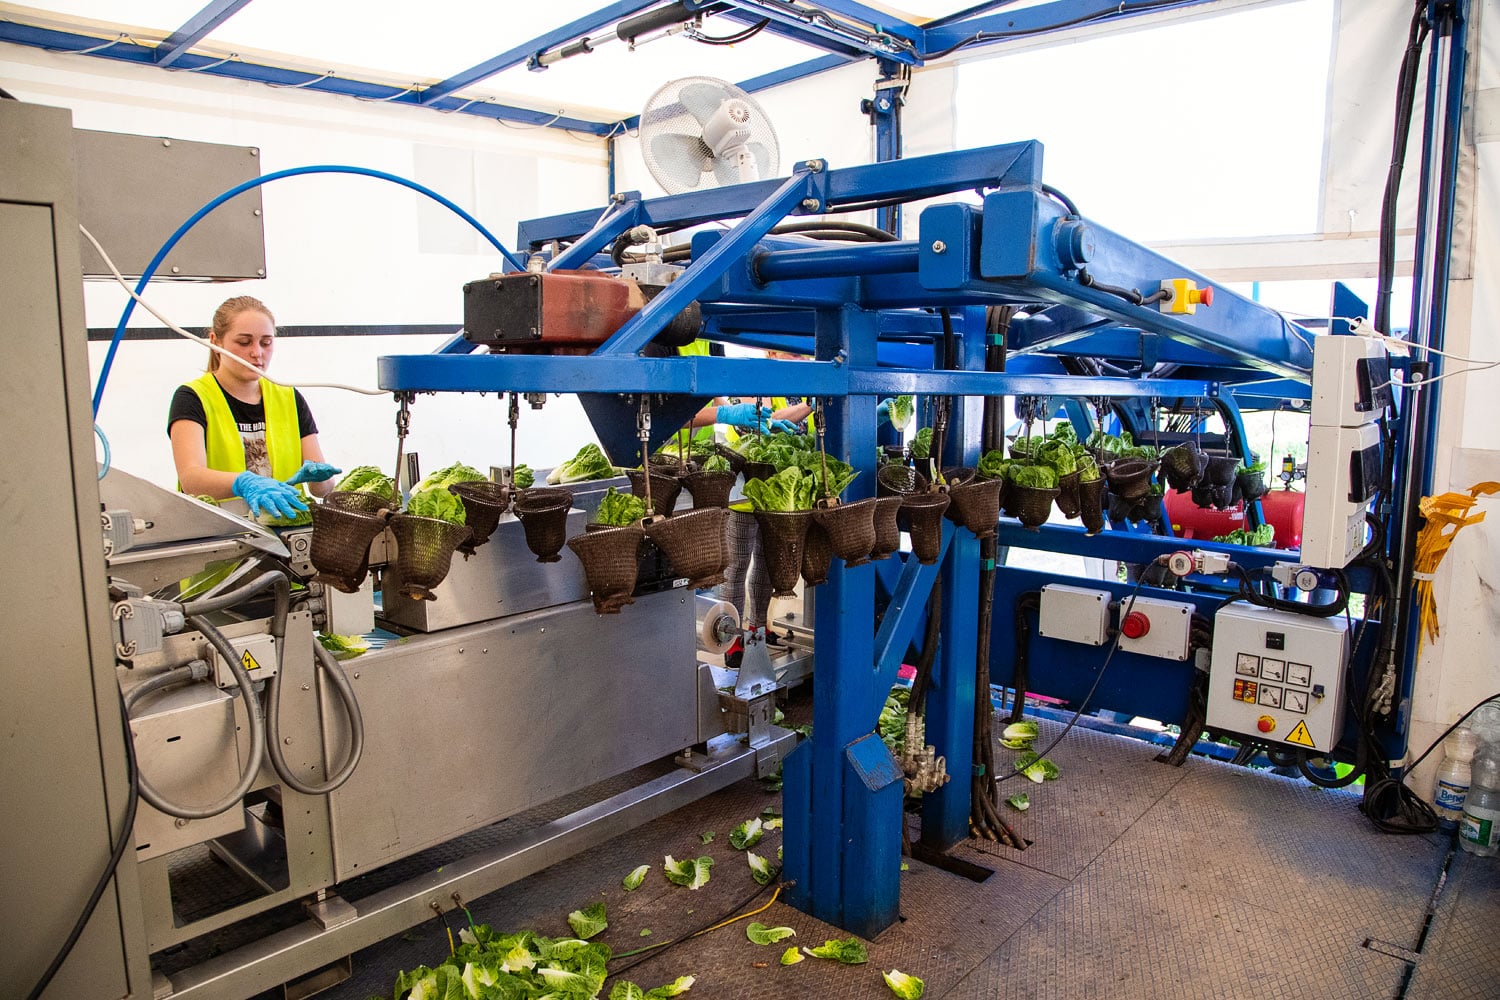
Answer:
[(1282, 510), (1135, 624)]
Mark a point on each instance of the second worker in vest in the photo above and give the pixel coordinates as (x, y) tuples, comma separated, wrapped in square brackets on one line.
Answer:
[(235, 433)]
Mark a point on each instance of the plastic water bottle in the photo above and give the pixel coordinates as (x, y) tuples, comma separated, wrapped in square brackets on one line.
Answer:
[(1453, 777), (1479, 829)]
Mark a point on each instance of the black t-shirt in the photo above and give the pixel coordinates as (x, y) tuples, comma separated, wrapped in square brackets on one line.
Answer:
[(249, 417)]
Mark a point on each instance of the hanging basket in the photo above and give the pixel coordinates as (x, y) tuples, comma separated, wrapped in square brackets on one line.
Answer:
[(782, 537), (1067, 494), (887, 527), (709, 489), (424, 551), (817, 555), (341, 545), (668, 464), (975, 505), (1183, 466), (363, 503), (1129, 477), (735, 459), (898, 481), (1091, 505), (955, 475), (1250, 486), (923, 513), (694, 544), (1221, 470), (1032, 505), (484, 502), (611, 561), (759, 470), (544, 518), (851, 529), (1209, 496), (664, 489)]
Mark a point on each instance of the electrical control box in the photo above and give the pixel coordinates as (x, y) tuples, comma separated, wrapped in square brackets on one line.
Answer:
[(1153, 627), (1278, 677), (1344, 466), (1351, 382), (1074, 614), (257, 655)]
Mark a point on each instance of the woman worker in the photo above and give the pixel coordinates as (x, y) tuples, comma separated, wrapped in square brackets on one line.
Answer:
[(237, 434)]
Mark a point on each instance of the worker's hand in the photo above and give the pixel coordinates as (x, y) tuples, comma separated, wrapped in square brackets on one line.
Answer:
[(313, 472), (742, 415), (265, 495), (785, 427), (883, 412)]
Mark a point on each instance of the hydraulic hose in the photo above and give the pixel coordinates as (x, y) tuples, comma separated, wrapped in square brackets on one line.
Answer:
[(256, 726), (228, 599), (321, 168), (194, 671), (340, 682)]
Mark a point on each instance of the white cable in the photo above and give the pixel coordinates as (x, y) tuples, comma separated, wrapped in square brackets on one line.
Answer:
[(210, 344)]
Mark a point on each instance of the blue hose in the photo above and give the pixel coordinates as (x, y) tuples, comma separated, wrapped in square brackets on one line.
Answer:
[(322, 168)]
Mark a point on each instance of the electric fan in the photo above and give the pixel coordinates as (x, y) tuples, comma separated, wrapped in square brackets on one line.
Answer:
[(699, 127)]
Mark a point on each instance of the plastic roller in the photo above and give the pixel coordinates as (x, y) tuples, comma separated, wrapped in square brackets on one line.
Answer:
[(718, 624)]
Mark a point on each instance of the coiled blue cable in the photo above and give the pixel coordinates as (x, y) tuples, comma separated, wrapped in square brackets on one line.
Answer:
[(321, 168)]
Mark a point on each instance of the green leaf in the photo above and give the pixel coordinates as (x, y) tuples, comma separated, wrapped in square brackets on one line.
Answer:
[(904, 986), (901, 410), (1026, 729), (707, 836), (645, 932), (692, 873), (437, 503), (589, 921), (633, 881), (760, 869), (675, 988), (619, 509), (761, 934), (589, 463), (921, 444), (850, 951), (791, 956), (1018, 801), (458, 472), (627, 991), (773, 824), (746, 835), (905, 867)]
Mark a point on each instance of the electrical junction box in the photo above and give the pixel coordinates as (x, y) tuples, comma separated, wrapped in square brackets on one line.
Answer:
[(1153, 627), (1351, 381), (257, 655), (1344, 466), (1278, 677), (1074, 614)]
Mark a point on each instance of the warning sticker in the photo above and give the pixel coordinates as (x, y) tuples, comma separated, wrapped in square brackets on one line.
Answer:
[(251, 663), (1300, 736)]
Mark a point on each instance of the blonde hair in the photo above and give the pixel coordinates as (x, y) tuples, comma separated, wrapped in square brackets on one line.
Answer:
[(225, 315)]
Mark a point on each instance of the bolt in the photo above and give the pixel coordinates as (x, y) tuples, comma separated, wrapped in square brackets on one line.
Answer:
[(307, 687), (260, 271), (938, 246), (255, 212), (254, 152), (166, 142), (460, 649), (485, 649), (180, 823), (883, 104), (356, 675), (811, 204), (816, 166), (287, 740), (176, 269)]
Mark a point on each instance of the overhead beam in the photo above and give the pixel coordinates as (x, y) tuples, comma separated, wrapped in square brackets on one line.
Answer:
[(196, 29), (824, 32), (944, 39)]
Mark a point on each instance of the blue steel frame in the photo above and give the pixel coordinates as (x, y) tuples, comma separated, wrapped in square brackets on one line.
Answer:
[(865, 313)]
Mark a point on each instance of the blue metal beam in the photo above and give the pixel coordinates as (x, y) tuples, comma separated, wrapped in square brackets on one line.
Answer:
[(196, 29), (814, 29), (798, 71), (517, 55), (943, 38)]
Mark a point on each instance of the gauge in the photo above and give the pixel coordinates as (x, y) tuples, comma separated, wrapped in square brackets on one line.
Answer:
[(1270, 696), (1272, 670), (1299, 674), (1247, 664), (1296, 701)]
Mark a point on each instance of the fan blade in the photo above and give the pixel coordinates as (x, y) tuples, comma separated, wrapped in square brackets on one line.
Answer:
[(702, 100), (682, 158)]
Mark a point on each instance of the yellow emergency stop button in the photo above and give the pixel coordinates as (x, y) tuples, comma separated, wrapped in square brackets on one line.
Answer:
[(1266, 724)]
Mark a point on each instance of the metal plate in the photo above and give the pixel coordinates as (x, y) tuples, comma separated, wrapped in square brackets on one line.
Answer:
[(185, 747)]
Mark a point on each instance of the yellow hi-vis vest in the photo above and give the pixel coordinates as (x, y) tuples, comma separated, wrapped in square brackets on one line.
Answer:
[(225, 447)]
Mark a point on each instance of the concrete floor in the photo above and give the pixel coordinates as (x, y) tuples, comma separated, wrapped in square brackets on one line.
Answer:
[(1142, 881)]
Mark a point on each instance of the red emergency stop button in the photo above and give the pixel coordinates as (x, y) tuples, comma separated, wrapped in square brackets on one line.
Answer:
[(1135, 624), (1266, 724), (1202, 296)]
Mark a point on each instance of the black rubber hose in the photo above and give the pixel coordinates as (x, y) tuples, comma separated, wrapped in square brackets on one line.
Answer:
[(1021, 670), (928, 656), (241, 594), (872, 233)]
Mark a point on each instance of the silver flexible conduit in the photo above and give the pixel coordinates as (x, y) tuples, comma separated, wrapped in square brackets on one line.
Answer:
[(340, 681)]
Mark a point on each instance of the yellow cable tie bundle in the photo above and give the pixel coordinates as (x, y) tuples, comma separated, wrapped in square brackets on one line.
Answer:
[(1445, 515)]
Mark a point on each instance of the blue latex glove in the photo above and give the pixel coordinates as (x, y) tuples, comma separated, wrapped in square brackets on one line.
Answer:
[(265, 495), (883, 412), (741, 414), (785, 427), (313, 472)]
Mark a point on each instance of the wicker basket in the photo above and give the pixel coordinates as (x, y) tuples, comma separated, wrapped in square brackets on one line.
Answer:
[(709, 489), (364, 503), (887, 527), (1221, 470), (1031, 504), (759, 470), (611, 562), (664, 489), (955, 475), (341, 545), (484, 502), (667, 463), (1067, 494), (976, 505), (850, 528), (899, 480), (424, 551), (782, 536), (1183, 466), (694, 544), (923, 513), (735, 459), (817, 555), (1250, 486), (1129, 477), (1091, 505), (544, 517), (1208, 495)]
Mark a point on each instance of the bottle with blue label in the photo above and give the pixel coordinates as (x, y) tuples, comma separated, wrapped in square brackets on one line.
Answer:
[(1453, 777), (1479, 829)]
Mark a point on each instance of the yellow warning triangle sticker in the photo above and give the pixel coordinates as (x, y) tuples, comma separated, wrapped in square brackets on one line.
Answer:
[(250, 663), (1299, 736)]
